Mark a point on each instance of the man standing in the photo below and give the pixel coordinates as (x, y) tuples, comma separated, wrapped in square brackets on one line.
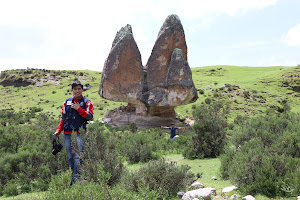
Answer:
[(173, 130), (76, 111)]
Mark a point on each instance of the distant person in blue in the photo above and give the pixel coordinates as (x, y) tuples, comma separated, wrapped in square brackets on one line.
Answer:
[(173, 130)]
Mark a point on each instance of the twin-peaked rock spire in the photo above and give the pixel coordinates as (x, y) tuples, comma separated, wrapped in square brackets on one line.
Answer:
[(152, 91)]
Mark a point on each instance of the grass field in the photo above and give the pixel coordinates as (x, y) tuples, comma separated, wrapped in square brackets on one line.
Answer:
[(263, 81), (260, 81), (209, 168), (270, 84)]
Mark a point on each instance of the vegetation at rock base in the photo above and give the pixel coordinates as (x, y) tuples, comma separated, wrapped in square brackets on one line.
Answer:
[(257, 127)]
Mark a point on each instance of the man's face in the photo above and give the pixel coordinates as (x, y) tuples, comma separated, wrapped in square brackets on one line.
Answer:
[(77, 91)]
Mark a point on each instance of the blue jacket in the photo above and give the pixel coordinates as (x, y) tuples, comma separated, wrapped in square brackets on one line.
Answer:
[(73, 121)]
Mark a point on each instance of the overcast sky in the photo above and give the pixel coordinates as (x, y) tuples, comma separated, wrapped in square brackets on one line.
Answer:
[(63, 34)]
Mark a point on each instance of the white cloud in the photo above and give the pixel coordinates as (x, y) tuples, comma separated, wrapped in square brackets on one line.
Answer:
[(292, 38), (204, 8), (250, 44), (276, 61), (204, 24), (78, 33), (75, 32)]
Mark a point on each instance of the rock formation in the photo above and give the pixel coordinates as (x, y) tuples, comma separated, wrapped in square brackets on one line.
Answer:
[(152, 91), (122, 77)]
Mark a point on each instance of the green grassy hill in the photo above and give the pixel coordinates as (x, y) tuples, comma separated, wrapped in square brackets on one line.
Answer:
[(250, 90), (50, 94)]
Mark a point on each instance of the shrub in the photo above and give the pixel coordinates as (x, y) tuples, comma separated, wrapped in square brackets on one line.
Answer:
[(26, 152), (60, 181), (132, 127), (208, 100), (209, 131), (11, 188), (165, 178), (139, 148), (247, 94), (265, 152), (216, 95), (86, 190), (201, 91), (99, 149)]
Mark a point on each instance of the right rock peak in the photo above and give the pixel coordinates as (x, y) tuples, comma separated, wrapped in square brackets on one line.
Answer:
[(170, 36)]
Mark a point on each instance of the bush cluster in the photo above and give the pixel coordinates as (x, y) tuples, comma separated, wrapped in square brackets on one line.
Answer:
[(264, 150), (140, 146), (27, 165), (165, 178), (209, 131), (100, 151), (265, 153), (26, 162)]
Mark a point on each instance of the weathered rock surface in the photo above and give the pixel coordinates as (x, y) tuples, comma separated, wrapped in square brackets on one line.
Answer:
[(248, 197), (233, 197), (180, 194), (170, 36), (203, 193), (176, 89), (229, 189), (152, 91), (197, 185), (122, 116), (122, 77)]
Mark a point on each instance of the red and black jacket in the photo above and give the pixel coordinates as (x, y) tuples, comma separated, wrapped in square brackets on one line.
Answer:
[(73, 120)]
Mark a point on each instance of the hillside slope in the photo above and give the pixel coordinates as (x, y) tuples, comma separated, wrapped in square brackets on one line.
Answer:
[(250, 90)]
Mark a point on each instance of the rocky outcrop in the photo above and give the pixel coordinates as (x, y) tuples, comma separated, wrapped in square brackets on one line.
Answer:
[(170, 36), (152, 91), (122, 77), (24, 78)]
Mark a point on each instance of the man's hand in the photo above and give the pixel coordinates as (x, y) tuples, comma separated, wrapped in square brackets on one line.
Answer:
[(75, 105), (56, 134)]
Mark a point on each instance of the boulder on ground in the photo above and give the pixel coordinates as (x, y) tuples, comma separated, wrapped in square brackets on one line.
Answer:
[(248, 197), (197, 185), (229, 189), (204, 193)]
